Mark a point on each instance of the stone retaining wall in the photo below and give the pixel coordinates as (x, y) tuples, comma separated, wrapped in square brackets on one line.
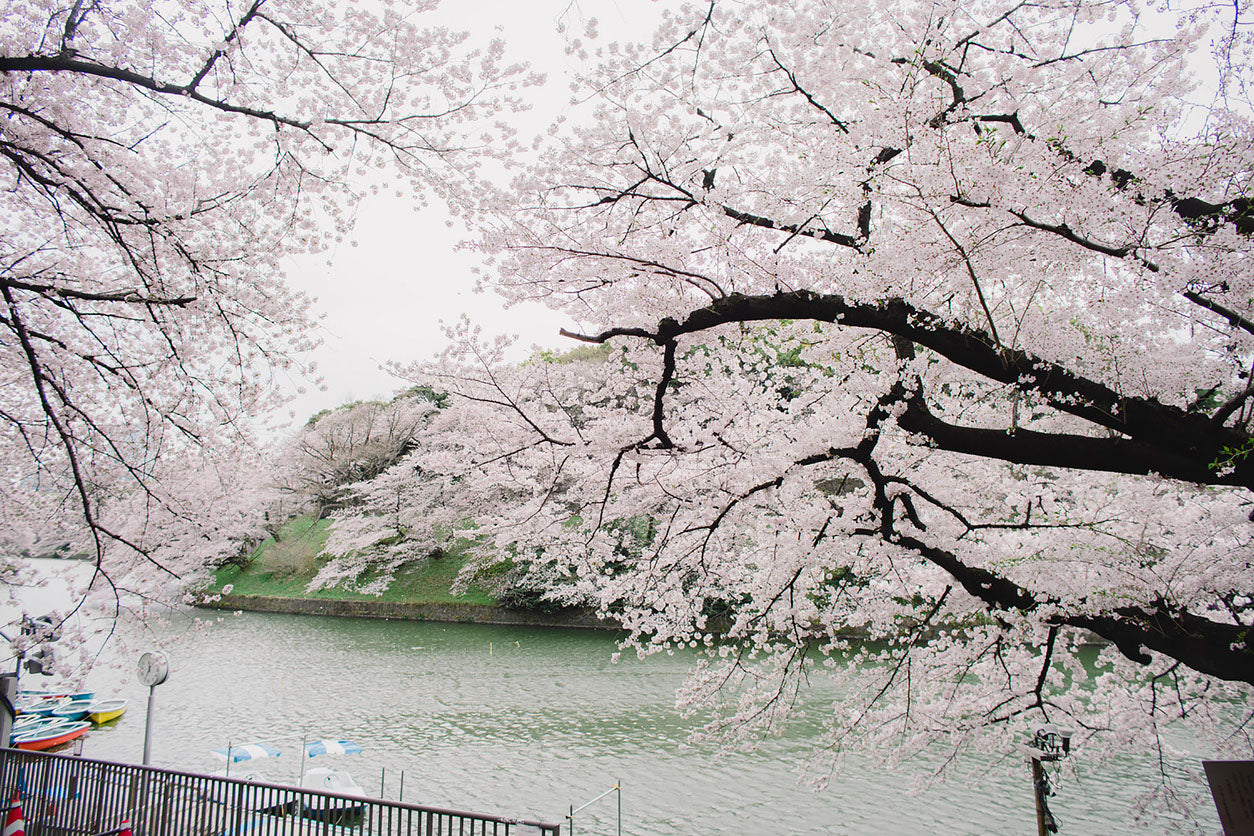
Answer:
[(403, 611)]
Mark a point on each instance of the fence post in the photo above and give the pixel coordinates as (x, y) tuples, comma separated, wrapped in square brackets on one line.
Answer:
[(239, 807), (163, 813)]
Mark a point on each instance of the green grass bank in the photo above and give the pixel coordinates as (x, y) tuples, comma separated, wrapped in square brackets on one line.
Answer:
[(277, 574)]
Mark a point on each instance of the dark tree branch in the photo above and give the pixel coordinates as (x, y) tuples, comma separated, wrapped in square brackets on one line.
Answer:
[(226, 43), (827, 235), (1105, 454), (1222, 650), (129, 294), (65, 64), (1186, 442), (1235, 319), (797, 88), (659, 399)]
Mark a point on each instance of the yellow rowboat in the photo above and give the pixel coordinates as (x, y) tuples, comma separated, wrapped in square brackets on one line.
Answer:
[(102, 711)]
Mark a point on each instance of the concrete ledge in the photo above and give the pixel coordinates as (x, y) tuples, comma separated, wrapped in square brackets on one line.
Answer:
[(402, 611)]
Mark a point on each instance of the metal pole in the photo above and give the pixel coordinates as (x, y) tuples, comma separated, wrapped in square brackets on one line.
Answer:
[(152, 692), (1038, 787), (583, 807), (8, 690), (618, 785)]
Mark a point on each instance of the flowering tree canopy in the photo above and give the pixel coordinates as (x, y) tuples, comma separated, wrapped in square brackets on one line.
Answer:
[(930, 323), (353, 443), (160, 161)]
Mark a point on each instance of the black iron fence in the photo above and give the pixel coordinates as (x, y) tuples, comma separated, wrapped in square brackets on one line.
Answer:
[(62, 795)]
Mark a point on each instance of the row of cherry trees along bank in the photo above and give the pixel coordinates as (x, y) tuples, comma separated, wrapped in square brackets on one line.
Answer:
[(161, 160), (931, 319)]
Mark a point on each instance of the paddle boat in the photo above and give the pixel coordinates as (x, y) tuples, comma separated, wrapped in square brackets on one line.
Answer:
[(38, 694), (244, 753), (334, 811), (239, 752), (263, 824), (102, 711)]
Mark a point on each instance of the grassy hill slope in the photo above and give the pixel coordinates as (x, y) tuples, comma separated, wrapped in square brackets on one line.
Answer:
[(284, 568)]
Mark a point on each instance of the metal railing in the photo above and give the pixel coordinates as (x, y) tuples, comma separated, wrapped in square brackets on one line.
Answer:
[(617, 788), (70, 796)]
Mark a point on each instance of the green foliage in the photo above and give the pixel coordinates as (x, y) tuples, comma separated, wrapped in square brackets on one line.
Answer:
[(344, 407), (424, 393), (294, 553), (516, 589), (1207, 400), (1230, 457), (597, 353), (522, 597)]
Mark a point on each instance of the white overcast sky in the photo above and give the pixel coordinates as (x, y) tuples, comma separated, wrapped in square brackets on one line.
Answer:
[(385, 297)]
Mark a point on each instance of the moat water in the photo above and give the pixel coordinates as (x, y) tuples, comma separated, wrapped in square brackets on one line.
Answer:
[(531, 722)]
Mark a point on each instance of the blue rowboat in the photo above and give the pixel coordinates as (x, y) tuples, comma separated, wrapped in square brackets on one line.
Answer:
[(73, 709), (56, 733), (32, 722), (43, 706)]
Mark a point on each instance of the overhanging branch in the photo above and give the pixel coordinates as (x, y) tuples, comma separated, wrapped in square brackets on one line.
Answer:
[(1182, 442)]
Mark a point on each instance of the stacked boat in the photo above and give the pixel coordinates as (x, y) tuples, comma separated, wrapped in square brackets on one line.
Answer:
[(46, 720), (46, 732)]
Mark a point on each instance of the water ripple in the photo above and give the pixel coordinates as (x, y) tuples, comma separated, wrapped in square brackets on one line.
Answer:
[(530, 723)]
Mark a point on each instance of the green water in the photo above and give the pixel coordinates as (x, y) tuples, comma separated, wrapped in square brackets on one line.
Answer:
[(528, 723)]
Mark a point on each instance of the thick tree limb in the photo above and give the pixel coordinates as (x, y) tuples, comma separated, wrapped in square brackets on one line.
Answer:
[(1105, 454), (1221, 650), (1185, 444), (67, 64)]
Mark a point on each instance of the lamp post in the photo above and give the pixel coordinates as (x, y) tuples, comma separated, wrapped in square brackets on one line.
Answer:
[(8, 695), (1049, 743), (43, 628)]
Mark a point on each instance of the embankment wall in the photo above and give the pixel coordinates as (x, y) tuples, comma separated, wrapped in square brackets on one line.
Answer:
[(404, 611)]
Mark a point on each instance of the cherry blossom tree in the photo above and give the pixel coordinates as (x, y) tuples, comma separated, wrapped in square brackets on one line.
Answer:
[(161, 160), (425, 504), (931, 325), (216, 505), (353, 443)]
